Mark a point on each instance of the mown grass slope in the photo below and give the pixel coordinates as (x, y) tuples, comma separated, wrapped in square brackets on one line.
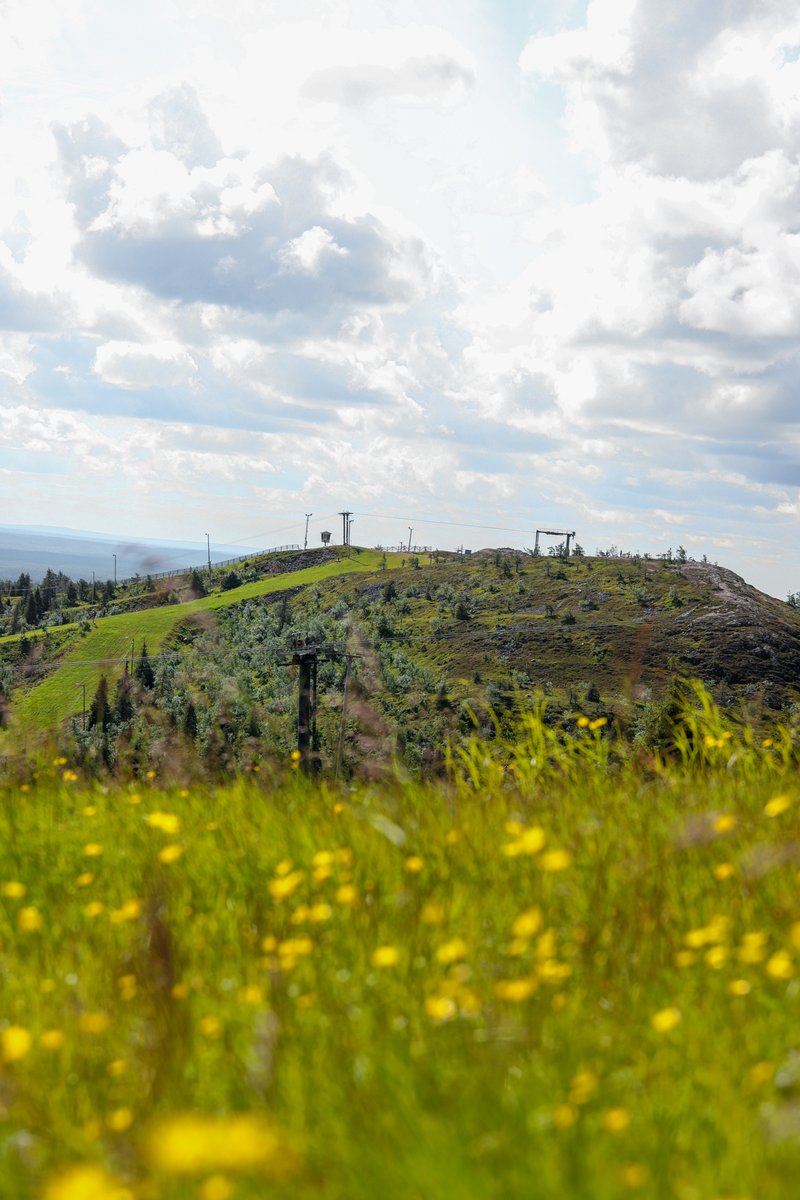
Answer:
[(553, 976)]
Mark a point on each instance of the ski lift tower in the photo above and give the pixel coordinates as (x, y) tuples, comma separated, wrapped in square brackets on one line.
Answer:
[(562, 533)]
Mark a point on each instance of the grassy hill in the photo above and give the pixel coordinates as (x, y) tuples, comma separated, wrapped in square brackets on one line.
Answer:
[(441, 641)]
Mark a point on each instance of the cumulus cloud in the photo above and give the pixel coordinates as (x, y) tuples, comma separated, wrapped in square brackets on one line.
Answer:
[(264, 239), (431, 77), (689, 90), (130, 365)]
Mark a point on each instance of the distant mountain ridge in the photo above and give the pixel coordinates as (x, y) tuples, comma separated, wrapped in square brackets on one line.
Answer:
[(79, 553)]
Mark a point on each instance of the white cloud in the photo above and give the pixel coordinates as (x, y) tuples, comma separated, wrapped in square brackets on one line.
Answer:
[(159, 365), (344, 247), (308, 251)]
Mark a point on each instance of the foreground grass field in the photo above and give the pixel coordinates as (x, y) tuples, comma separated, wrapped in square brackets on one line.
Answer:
[(555, 975)]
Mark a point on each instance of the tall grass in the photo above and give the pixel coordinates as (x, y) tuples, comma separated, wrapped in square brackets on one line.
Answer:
[(568, 971)]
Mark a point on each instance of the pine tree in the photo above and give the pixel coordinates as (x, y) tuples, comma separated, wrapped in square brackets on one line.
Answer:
[(99, 712), (190, 722), (144, 669), (123, 701)]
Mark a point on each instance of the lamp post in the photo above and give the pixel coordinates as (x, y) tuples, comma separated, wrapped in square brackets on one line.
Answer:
[(410, 531), (115, 568), (208, 548), (305, 540)]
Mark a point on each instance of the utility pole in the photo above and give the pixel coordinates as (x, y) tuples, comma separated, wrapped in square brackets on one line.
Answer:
[(305, 539), (115, 568), (410, 531), (345, 527), (208, 548), (307, 745)]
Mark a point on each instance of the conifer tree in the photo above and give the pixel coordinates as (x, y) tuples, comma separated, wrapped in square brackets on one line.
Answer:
[(144, 669), (99, 712)]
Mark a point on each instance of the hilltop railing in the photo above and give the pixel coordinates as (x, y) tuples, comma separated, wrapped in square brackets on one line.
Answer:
[(225, 562)]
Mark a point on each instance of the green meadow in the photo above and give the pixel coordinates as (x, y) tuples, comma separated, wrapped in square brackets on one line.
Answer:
[(564, 970)]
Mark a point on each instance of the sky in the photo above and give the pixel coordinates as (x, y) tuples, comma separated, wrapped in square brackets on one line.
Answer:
[(463, 268)]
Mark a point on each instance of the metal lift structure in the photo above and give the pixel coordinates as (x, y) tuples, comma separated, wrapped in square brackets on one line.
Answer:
[(562, 533)]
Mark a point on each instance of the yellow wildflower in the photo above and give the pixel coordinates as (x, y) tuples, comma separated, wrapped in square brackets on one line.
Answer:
[(780, 966), (85, 1182), (166, 822), (633, 1175), (13, 890), (582, 1088), (385, 956), (598, 723), (94, 1022), (440, 1008), (170, 854), (739, 987), (724, 823), (761, 1072), (84, 879), (195, 1144), (94, 908), (119, 1120), (129, 911), (555, 860), (552, 971), (127, 987), (665, 1020), (52, 1039), (283, 885), (452, 951), (117, 1067), (210, 1027), (432, 913), (529, 841), (29, 919), (251, 994), (346, 895), (564, 1116), (15, 1042), (753, 947), (528, 923), (777, 805), (723, 871), (716, 957), (516, 990), (616, 1120), (414, 864), (92, 849)]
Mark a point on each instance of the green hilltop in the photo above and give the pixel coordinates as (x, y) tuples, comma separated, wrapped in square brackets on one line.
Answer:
[(442, 642)]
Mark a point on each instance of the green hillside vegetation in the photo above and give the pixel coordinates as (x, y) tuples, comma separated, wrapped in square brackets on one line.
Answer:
[(564, 971), (107, 644), (442, 643)]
